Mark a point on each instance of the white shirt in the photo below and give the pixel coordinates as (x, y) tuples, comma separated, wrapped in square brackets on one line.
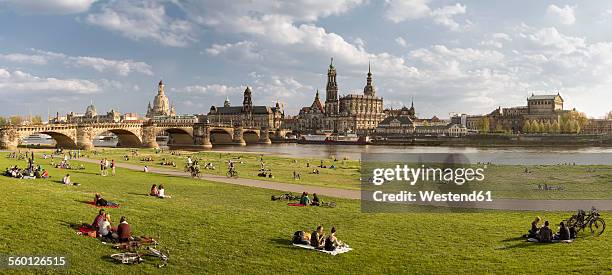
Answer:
[(66, 180), (103, 228), (161, 193)]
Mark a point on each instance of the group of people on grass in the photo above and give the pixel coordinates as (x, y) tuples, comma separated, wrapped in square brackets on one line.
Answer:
[(29, 173), (159, 192), (545, 234), (106, 165), (105, 230), (318, 239), (306, 200)]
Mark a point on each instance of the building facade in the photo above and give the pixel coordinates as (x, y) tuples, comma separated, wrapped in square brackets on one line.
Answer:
[(247, 115), (352, 113), (161, 105)]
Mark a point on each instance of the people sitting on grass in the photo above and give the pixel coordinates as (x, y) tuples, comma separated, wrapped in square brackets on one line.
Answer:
[(154, 191), (209, 166), (162, 192), (545, 234), (296, 175), (533, 232), (145, 169), (44, 174), (315, 200), (98, 219), (315, 171), (66, 180), (331, 241), (563, 234), (105, 229), (124, 231), (305, 200), (317, 238)]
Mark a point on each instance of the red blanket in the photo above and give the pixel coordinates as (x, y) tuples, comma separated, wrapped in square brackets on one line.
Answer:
[(98, 206), (296, 204)]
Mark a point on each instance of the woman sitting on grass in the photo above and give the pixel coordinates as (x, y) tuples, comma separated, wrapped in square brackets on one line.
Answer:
[(533, 232), (104, 228), (162, 192), (331, 242), (154, 192), (124, 231)]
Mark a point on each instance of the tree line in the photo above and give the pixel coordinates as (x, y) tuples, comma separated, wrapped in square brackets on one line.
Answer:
[(20, 120)]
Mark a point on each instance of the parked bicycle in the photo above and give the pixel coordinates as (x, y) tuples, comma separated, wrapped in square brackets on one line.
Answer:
[(581, 220)]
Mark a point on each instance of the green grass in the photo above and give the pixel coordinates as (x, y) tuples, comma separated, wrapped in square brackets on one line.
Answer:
[(220, 228), (505, 181)]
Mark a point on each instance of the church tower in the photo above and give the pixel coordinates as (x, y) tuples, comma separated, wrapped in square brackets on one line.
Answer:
[(247, 103), (331, 96), (369, 89)]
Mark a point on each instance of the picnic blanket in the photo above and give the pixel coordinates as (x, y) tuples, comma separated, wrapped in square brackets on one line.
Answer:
[(339, 250), (296, 204), (534, 240), (86, 231), (98, 206)]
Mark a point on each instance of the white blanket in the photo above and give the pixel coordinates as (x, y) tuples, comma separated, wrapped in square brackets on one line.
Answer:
[(338, 250), (534, 240)]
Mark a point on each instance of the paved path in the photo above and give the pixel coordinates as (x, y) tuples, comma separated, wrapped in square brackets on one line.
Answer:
[(498, 204)]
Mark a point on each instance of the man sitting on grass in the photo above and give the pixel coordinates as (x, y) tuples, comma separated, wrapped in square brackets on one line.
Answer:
[(564, 233), (545, 235), (317, 238)]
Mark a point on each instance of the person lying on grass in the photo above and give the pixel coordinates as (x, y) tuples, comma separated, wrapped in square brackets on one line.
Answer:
[(317, 238), (100, 201)]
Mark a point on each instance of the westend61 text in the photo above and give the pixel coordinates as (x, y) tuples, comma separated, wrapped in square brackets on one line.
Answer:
[(432, 196)]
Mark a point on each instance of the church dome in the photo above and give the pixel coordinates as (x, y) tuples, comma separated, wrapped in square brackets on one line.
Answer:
[(91, 111)]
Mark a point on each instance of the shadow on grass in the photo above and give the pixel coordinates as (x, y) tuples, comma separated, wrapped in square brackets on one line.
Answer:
[(138, 194), (72, 225), (280, 242), (514, 239), (523, 244)]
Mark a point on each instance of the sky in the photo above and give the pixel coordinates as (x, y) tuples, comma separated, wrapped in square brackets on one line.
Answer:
[(448, 56)]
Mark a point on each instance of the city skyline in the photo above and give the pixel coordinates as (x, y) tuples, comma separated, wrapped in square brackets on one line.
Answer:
[(450, 56)]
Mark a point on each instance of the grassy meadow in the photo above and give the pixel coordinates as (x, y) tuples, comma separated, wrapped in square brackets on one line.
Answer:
[(213, 227)]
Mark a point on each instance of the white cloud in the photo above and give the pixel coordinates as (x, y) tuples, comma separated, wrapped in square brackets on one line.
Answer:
[(22, 81), (565, 15), (214, 89), (120, 67), (48, 6), (144, 20), (243, 50), (24, 58), (405, 10), (401, 41)]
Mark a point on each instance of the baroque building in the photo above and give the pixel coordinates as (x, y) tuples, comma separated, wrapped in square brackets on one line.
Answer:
[(161, 105), (247, 115), (352, 113)]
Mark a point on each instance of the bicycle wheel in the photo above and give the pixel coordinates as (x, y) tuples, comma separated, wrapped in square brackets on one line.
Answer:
[(597, 226)]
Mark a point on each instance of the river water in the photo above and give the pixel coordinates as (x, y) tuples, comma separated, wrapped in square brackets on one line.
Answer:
[(498, 155)]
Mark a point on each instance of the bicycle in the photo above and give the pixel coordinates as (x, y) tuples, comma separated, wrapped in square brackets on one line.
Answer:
[(139, 257), (581, 220), (232, 173)]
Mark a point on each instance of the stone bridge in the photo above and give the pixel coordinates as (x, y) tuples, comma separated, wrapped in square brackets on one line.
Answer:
[(140, 134)]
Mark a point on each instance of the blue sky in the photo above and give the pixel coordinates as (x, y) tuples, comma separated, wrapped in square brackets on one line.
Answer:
[(450, 56)]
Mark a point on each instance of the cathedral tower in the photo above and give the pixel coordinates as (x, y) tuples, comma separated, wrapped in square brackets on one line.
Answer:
[(369, 89), (331, 96)]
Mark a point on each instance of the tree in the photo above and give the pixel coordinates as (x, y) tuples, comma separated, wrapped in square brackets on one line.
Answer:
[(536, 127), (485, 125), (609, 115), (527, 127), (3, 121), (15, 120), (556, 128), (36, 120)]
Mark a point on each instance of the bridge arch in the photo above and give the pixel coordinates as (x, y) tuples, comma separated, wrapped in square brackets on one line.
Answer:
[(127, 138), (221, 136), (62, 140), (251, 136), (178, 136)]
